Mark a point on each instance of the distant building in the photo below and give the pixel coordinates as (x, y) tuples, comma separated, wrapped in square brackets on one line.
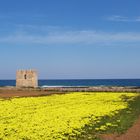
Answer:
[(26, 78)]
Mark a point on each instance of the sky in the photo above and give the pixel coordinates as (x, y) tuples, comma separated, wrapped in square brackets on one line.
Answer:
[(70, 39)]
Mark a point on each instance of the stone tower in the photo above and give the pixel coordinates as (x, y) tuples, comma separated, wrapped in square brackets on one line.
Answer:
[(26, 78)]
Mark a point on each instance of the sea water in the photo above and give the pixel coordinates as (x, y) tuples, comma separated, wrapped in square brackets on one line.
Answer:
[(80, 82)]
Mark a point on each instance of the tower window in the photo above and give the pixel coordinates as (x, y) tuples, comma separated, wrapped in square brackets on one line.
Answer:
[(25, 76)]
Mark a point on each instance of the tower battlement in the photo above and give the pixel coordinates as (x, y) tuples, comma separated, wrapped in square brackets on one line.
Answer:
[(26, 78)]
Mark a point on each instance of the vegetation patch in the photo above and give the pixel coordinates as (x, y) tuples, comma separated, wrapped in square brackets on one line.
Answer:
[(69, 116)]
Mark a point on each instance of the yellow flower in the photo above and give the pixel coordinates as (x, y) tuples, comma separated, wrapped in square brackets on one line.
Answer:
[(57, 116)]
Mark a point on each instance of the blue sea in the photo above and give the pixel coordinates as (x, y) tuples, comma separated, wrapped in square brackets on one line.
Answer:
[(81, 82)]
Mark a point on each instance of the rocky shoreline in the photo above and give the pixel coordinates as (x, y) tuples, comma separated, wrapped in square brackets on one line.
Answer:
[(73, 89), (12, 92)]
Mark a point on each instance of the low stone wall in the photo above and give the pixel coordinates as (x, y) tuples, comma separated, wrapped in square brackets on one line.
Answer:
[(77, 89), (94, 89)]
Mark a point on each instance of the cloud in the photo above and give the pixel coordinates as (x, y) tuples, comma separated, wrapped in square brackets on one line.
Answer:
[(119, 18), (67, 37), (138, 19)]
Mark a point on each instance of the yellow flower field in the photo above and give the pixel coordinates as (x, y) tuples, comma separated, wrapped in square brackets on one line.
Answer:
[(57, 116)]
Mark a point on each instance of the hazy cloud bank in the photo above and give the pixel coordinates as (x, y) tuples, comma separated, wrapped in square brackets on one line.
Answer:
[(87, 37)]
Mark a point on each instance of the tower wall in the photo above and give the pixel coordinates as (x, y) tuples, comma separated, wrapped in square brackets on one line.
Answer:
[(26, 78)]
